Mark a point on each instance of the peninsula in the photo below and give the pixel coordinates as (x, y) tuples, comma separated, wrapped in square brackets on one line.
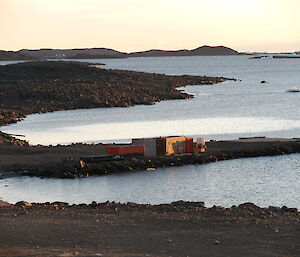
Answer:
[(46, 86)]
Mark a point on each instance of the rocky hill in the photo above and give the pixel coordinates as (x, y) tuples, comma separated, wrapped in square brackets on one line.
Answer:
[(213, 50), (159, 53), (81, 53)]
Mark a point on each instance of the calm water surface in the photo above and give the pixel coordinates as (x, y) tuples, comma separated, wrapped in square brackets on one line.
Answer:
[(264, 181)]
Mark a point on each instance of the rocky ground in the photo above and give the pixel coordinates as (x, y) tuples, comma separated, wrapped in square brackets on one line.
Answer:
[(177, 229)]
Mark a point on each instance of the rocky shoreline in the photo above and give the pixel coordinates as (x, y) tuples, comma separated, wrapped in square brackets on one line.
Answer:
[(131, 229)]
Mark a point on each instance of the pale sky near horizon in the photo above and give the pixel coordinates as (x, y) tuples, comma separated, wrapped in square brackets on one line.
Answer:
[(135, 25)]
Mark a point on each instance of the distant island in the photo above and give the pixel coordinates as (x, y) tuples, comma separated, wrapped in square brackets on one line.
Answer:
[(104, 53), (80, 53)]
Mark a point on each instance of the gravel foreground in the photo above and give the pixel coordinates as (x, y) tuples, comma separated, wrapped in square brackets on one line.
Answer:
[(176, 229)]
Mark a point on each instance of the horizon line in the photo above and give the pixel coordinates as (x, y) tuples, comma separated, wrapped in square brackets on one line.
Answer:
[(149, 49)]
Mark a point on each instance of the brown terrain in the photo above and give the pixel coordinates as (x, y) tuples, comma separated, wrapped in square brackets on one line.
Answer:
[(176, 229)]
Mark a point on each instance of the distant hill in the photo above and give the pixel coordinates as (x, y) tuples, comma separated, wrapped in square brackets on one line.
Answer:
[(200, 51), (157, 53), (81, 53), (14, 56), (298, 52), (214, 50), (104, 53)]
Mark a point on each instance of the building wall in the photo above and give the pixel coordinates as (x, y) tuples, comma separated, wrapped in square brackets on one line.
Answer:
[(189, 145), (150, 147), (175, 145), (161, 146)]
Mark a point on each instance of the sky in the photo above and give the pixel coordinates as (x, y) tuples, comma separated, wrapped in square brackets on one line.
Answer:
[(136, 25)]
